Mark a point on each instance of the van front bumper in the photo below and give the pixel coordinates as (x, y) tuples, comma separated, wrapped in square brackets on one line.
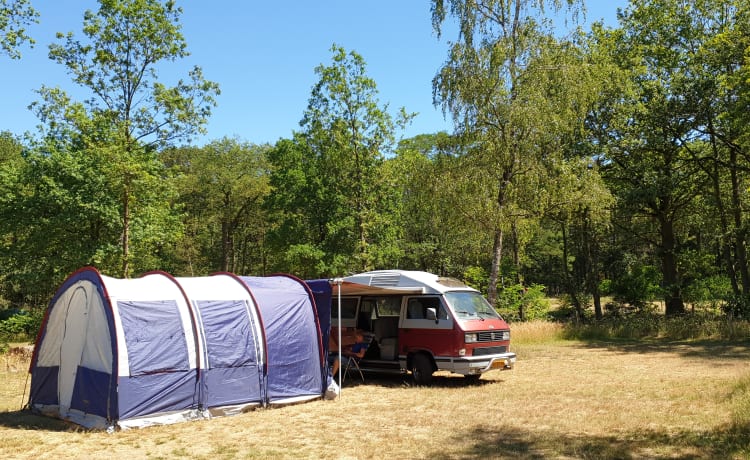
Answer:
[(477, 364)]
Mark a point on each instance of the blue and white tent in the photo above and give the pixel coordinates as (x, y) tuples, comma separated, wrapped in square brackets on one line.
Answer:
[(116, 353)]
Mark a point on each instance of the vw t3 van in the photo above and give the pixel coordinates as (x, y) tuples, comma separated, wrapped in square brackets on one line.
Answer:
[(419, 322)]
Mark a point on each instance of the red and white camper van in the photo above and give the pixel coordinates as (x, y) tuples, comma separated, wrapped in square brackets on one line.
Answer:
[(421, 322)]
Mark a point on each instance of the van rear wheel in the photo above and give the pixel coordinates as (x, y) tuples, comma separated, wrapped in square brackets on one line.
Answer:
[(421, 369)]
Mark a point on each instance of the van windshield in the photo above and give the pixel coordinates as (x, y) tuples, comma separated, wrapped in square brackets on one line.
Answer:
[(467, 304)]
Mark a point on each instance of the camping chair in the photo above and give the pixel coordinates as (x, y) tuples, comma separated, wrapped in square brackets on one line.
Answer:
[(353, 357)]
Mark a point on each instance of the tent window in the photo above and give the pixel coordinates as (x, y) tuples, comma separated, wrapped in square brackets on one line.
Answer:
[(229, 333), (154, 336)]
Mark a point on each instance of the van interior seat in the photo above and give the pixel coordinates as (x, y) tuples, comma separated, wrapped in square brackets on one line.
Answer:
[(386, 333), (385, 327)]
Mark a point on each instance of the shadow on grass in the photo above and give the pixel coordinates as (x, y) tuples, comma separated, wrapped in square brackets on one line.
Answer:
[(514, 443), (27, 420), (696, 349), (439, 380)]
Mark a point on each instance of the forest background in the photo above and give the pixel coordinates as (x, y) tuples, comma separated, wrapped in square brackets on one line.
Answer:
[(606, 167)]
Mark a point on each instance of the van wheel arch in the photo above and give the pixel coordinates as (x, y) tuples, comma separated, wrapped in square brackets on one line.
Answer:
[(422, 367)]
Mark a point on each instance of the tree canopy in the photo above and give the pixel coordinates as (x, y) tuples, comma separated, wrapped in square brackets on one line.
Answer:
[(605, 166)]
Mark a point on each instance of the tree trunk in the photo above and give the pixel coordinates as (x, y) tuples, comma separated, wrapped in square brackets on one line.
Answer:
[(126, 230), (598, 313), (725, 249), (740, 234), (516, 253), (227, 244), (671, 281), (497, 257), (569, 287)]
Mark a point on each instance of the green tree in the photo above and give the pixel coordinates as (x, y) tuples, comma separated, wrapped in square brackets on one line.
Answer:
[(131, 113), (297, 209), (222, 188), (331, 174), (429, 215), (718, 86), (503, 84), (15, 16), (655, 128)]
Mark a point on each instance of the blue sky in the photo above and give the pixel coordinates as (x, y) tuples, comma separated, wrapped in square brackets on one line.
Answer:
[(263, 55)]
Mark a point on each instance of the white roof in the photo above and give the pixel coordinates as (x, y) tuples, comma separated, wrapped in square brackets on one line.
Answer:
[(400, 281)]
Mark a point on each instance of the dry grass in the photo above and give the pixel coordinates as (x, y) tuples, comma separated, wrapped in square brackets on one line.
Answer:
[(563, 400)]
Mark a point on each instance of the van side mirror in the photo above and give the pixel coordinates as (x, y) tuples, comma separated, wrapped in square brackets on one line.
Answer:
[(432, 314)]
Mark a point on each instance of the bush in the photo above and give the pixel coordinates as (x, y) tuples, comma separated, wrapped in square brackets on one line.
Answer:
[(638, 287), (531, 299), (645, 324), (18, 325), (737, 307)]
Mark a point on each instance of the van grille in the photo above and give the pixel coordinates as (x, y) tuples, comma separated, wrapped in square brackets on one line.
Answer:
[(493, 336), (489, 350)]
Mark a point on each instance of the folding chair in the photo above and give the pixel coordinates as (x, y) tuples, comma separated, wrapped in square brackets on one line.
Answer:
[(352, 359)]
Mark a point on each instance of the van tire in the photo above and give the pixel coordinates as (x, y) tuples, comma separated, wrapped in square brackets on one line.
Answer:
[(422, 369)]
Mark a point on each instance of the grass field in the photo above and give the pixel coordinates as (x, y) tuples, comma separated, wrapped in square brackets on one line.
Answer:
[(564, 400)]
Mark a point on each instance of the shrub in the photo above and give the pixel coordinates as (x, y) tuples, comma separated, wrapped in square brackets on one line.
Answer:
[(20, 325), (644, 324), (531, 299), (637, 287), (476, 277), (737, 307)]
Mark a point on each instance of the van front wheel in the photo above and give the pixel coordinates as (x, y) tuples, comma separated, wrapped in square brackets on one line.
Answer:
[(421, 369)]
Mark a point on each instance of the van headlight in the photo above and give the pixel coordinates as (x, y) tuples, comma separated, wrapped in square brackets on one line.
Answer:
[(470, 338), (506, 335)]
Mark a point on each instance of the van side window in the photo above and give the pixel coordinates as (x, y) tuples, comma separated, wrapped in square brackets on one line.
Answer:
[(417, 307)]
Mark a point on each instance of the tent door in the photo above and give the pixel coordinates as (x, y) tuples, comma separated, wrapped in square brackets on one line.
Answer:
[(71, 348)]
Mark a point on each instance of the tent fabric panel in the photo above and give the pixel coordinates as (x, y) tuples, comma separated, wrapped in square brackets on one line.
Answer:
[(86, 276), (228, 333), (291, 379), (71, 348), (323, 296), (82, 292), (44, 385), (292, 336), (215, 288), (91, 391), (154, 335), (155, 393), (97, 349), (232, 385)]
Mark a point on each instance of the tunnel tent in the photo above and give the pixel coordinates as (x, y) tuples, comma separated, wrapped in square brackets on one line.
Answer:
[(121, 353)]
